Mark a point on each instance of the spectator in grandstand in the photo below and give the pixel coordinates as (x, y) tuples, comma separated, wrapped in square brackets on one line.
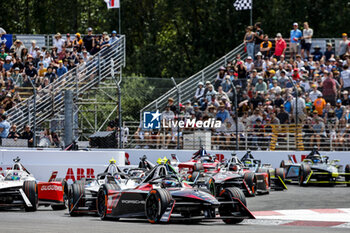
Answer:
[(317, 54), (89, 40), (55, 139), (258, 37), (345, 78), (265, 46), (31, 72), (220, 77), (8, 64), (343, 46), (329, 88), (45, 138), (4, 127), (261, 85), (222, 113), (345, 98), (3, 54), (249, 64), (242, 72), (58, 42), (78, 42), (61, 69), (258, 63), (306, 40), (339, 110), (199, 92), (283, 116), (249, 41), (172, 106), (14, 134), (295, 36), (329, 53), (300, 109), (68, 43), (17, 77), (319, 105), (280, 46), (28, 134), (105, 43), (114, 37), (318, 133), (17, 48)]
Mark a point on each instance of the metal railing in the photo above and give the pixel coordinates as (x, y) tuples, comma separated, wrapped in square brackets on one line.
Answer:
[(276, 137), (50, 100), (187, 88)]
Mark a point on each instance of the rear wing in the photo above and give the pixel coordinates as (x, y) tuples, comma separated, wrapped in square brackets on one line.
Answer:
[(53, 176)]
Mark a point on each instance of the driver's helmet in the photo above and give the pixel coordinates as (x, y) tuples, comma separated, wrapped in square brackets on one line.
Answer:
[(247, 163), (233, 167), (169, 183), (15, 176), (316, 159)]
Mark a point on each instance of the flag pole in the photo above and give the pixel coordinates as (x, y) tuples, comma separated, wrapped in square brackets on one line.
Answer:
[(251, 14), (120, 27)]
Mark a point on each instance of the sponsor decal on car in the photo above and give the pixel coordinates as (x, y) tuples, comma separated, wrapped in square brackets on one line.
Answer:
[(136, 202), (51, 188)]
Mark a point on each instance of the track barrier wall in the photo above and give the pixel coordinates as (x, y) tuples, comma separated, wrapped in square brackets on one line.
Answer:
[(71, 165)]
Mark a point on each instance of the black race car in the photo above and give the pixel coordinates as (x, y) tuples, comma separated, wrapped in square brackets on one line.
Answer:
[(162, 197), (276, 176)]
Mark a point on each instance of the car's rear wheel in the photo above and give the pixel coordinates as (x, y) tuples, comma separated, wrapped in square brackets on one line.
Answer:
[(62, 206), (31, 191), (75, 198), (229, 194), (347, 177), (305, 170), (250, 181), (280, 174), (156, 203)]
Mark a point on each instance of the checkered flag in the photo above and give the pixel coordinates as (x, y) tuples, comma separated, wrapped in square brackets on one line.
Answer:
[(243, 5)]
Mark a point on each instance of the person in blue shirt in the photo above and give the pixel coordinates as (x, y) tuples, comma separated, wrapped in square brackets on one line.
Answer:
[(114, 37), (288, 104), (223, 114), (4, 127), (295, 36), (61, 70)]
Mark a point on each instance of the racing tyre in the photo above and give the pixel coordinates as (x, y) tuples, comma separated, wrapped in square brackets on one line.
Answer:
[(229, 194), (305, 170), (347, 177), (266, 170), (30, 189), (210, 185), (279, 172), (102, 201), (198, 167), (156, 203), (250, 181), (75, 199), (65, 195)]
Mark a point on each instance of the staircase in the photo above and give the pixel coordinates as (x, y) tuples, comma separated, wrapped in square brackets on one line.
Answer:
[(50, 100), (188, 87), (287, 137)]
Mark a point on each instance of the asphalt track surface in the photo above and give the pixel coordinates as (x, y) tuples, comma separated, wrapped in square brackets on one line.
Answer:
[(46, 220)]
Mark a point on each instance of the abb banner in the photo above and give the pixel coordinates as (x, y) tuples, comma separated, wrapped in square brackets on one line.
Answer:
[(272, 157), (72, 165)]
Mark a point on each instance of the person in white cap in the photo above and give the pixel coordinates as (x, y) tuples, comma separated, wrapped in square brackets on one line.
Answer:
[(199, 92), (295, 36), (307, 38)]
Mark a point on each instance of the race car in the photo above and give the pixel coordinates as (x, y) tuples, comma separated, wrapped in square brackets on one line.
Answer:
[(316, 169), (216, 177), (276, 175), (19, 188), (208, 162), (163, 197), (82, 196)]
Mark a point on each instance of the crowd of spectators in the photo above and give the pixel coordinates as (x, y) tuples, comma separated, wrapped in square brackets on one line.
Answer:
[(27, 67), (274, 88)]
